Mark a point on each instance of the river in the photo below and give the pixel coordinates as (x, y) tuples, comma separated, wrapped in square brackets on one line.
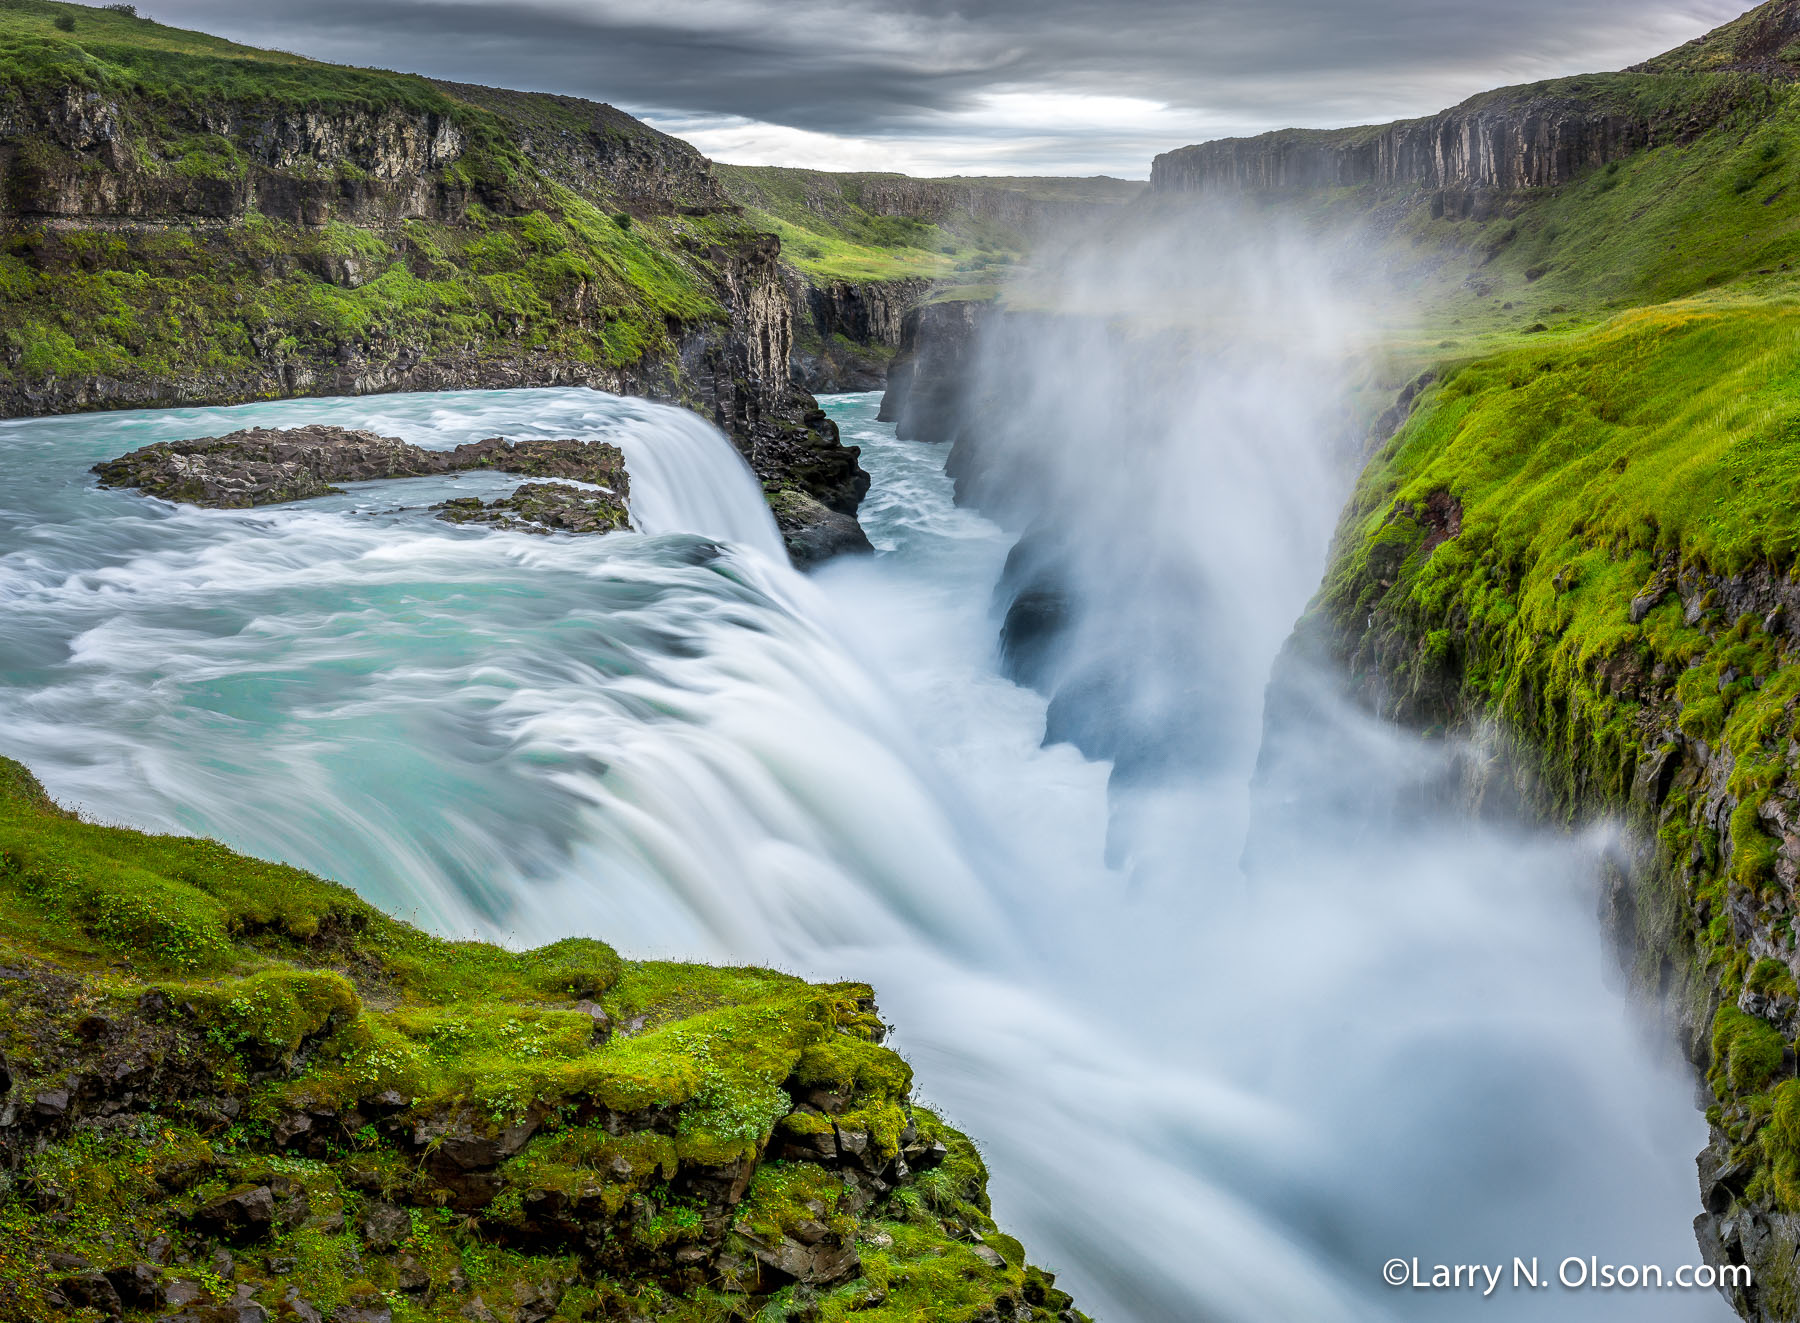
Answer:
[(1202, 1096)]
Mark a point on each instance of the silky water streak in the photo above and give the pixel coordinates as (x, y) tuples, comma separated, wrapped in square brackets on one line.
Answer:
[(1201, 1099)]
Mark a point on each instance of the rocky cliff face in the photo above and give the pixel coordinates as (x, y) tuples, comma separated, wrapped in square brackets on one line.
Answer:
[(936, 200), (814, 482), (1020, 206), (301, 166), (849, 330), (1533, 137), (931, 377), (412, 236), (1759, 42), (868, 247), (594, 148)]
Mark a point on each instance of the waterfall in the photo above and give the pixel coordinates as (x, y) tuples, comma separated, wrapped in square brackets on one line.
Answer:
[(1200, 1099)]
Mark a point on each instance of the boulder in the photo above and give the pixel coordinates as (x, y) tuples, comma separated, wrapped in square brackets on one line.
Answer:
[(542, 507), (137, 1286), (93, 1290), (384, 1225), (825, 1262), (240, 1218)]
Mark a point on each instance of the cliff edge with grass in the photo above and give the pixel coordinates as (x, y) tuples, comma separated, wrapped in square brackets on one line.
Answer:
[(230, 1092), (862, 251), (1576, 543), (184, 220)]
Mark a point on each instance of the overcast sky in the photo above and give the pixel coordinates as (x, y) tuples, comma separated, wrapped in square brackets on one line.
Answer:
[(978, 87)]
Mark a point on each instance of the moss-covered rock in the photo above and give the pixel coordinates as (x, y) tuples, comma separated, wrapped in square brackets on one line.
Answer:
[(223, 1080), (1587, 551)]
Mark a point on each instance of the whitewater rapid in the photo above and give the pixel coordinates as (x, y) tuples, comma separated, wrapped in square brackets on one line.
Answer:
[(1201, 1099)]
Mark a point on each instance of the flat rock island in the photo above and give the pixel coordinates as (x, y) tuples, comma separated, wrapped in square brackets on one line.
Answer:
[(272, 466)]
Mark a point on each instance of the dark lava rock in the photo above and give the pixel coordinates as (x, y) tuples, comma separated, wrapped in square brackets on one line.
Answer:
[(370, 1311), (411, 1276), (137, 1286), (294, 1305), (384, 1226), (268, 466), (93, 1290), (542, 507), (826, 533), (824, 1263), (237, 1311), (182, 1293), (603, 1025), (241, 1217)]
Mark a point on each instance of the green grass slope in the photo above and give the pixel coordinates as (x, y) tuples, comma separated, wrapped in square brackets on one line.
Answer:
[(416, 227), (222, 1079), (868, 226)]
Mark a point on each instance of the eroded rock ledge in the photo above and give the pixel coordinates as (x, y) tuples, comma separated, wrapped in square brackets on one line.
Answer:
[(268, 466)]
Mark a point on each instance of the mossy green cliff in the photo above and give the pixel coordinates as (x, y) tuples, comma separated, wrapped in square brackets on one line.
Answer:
[(186, 220), (1583, 553), (230, 1090), (1577, 542)]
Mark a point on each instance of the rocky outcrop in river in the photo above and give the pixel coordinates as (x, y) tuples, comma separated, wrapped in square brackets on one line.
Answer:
[(267, 466), (542, 507)]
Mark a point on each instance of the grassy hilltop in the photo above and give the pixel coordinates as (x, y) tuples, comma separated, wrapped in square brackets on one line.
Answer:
[(963, 233), (500, 259)]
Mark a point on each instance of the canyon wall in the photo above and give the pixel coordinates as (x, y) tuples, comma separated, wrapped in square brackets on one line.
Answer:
[(849, 330), (931, 378), (1536, 137), (406, 235)]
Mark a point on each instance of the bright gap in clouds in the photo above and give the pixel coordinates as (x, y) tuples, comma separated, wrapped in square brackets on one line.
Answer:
[(1003, 133)]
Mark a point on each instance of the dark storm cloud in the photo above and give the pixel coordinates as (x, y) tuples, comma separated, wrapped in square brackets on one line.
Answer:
[(906, 69)]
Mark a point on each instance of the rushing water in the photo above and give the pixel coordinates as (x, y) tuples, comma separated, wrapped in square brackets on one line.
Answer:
[(1202, 1099)]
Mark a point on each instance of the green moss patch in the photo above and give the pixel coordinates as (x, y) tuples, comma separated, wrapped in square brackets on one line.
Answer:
[(238, 1077)]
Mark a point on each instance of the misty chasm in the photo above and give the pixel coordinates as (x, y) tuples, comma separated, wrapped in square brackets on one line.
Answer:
[(1209, 1084)]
